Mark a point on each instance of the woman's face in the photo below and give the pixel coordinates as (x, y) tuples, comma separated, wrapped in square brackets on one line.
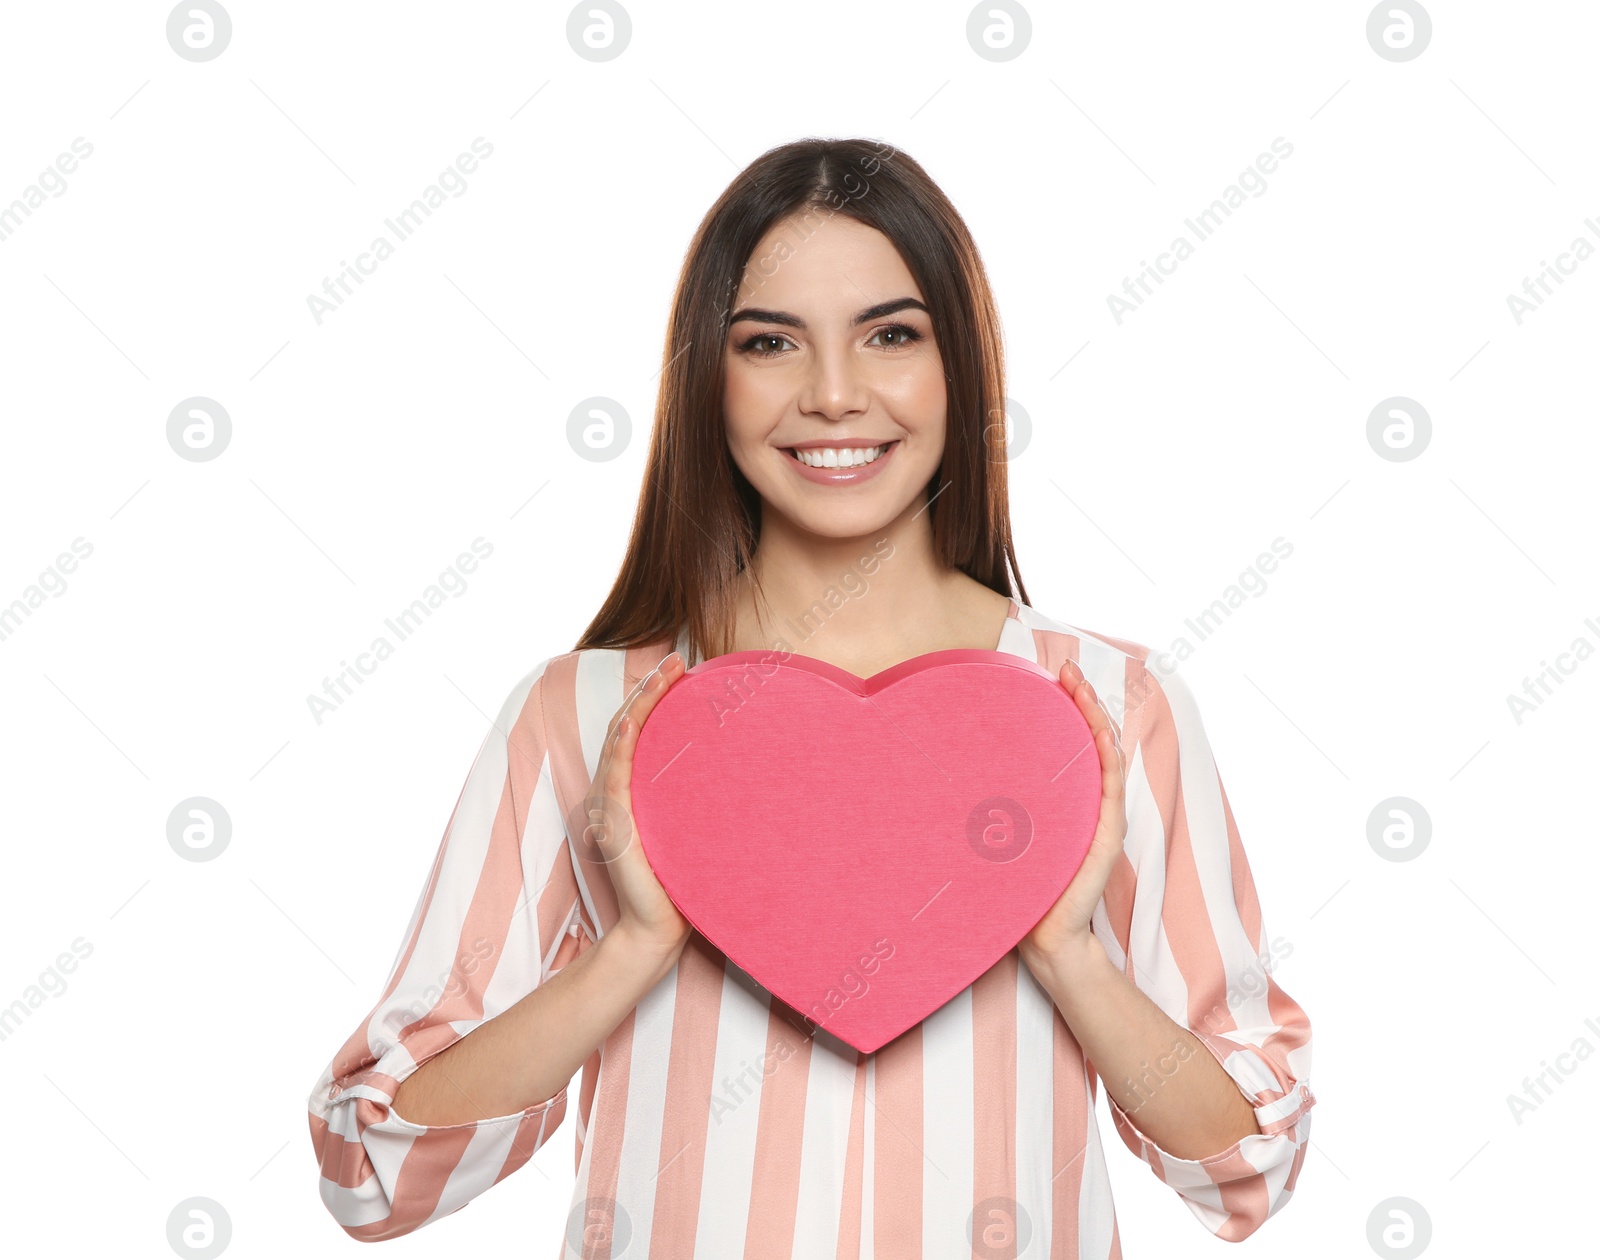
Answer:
[(830, 356)]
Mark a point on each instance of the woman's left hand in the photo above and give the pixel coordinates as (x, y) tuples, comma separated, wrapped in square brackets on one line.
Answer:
[(1064, 932)]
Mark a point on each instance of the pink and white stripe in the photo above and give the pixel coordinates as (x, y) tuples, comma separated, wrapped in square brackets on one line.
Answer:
[(720, 1127)]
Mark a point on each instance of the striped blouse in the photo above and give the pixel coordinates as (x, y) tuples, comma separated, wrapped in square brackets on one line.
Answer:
[(710, 1125)]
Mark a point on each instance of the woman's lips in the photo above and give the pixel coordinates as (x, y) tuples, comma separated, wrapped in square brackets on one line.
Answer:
[(841, 476)]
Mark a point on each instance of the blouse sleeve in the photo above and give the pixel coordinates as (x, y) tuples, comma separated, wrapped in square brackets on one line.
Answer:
[(1191, 937), (497, 916)]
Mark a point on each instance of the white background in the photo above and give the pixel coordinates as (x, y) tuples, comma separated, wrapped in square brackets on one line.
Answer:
[(430, 409)]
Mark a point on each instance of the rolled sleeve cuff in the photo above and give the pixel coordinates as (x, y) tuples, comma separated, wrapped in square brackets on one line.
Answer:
[(1279, 1118), (380, 1082)]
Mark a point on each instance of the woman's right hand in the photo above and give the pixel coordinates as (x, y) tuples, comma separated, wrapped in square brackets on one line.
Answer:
[(644, 911)]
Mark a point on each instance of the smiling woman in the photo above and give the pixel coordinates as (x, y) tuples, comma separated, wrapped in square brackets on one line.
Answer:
[(831, 405), (832, 368)]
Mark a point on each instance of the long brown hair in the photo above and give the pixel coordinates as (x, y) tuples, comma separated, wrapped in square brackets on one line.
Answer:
[(698, 517)]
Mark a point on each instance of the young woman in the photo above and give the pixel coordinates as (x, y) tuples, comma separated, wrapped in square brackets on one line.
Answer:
[(827, 471)]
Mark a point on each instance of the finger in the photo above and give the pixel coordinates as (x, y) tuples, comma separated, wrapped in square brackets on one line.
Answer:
[(1107, 723), (619, 767), (1074, 683), (1074, 680), (627, 703), (1083, 694), (1108, 741), (1111, 765), (653, 686), (605, 817), (608, 824), (1105, 733), (630, 704)]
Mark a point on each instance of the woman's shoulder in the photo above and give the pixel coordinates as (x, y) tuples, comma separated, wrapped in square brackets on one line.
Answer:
[(578, 690), (1077, 641), (1141, 685)]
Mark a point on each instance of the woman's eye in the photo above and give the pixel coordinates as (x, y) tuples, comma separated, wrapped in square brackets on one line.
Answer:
[(758, 344), (907, 335)]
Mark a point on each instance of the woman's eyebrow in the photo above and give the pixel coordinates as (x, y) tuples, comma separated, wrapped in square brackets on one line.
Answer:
[(794, 321)]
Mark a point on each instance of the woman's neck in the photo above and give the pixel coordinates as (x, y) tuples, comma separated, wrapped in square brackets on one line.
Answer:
[(863, 603)]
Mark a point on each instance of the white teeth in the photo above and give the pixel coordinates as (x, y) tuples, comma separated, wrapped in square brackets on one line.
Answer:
[(839, 457)]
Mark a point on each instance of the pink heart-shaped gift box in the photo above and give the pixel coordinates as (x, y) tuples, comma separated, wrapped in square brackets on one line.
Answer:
[(865, 849)]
